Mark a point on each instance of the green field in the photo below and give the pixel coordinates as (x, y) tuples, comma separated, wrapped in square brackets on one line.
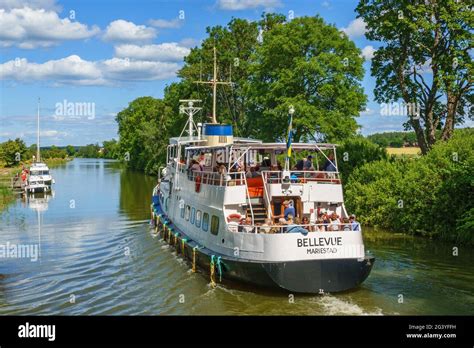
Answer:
[(410, 151)]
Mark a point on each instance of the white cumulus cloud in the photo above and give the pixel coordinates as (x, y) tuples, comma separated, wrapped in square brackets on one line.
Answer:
[(356, 28), (163, 52), (248, 4), (124, 31), (166, 24), (30, 28), (74, 70), (368, 52), (71, 69)]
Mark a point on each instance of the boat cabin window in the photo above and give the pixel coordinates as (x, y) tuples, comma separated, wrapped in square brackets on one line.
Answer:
[(198, 218), (193, 215), (205, 222), (214, 225), (182, 211), (187, 211), (39, 172)]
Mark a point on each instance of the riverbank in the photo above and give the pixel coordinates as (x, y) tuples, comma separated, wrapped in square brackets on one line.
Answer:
[(7, 195)]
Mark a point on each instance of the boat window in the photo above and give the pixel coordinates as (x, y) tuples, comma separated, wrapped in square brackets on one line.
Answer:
[(166, 203), (205, 222), (214, 225), (187, 212), (193, 215), (198, 218), (182, 211)]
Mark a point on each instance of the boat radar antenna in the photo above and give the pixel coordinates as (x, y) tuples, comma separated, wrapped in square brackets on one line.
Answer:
[(214, 82), (189, 110)]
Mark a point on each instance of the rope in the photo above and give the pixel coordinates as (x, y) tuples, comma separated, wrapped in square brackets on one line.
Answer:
[(213, 272), (219, 268), (194, 258)]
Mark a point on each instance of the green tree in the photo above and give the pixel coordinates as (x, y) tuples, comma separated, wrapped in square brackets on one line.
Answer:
[(12, 151), (110, 149), (71, 150), (312, 66), (144, 128), (235, 44), (425, 60), (355, 152)]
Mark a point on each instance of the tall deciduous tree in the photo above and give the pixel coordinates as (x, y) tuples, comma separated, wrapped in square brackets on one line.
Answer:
[(425, 60), (314, 67), (144, 129)]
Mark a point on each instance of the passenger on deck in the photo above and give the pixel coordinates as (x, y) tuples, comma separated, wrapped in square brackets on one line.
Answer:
[(281, 225), (247, 226), (307, 224), (355, 226), (293, 227), (267, 226), (251, 173), (287, 211), (346, 225), (334, 224), (304, 164), (202, 159), (329, 166), (320, 225)]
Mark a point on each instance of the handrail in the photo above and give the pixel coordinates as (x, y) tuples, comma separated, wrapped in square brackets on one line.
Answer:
[(241, 228), (302, 176), (267, 197), (248, 197)]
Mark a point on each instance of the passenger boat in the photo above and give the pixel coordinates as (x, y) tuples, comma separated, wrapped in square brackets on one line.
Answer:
[(39, 177), (217, 191)]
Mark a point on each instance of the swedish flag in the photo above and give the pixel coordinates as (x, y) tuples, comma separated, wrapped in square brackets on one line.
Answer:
[(290, 136)]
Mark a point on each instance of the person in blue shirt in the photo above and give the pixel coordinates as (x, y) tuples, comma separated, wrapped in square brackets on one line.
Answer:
[(288, 210), (293, 227), (355, 226), (329, 166)]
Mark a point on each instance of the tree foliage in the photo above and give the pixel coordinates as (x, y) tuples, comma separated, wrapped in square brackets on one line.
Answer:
[(304, 62), (431, 195), (12, 151), (425, 60), (144, 129)]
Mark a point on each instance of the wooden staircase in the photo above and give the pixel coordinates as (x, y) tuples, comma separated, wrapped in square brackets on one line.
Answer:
[(259, 213)]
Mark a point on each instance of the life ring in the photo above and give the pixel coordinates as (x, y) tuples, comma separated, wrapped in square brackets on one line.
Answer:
[(198, 183), (236, 216)]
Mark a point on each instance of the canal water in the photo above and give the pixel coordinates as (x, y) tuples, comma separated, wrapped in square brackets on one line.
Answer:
[(96, 254)]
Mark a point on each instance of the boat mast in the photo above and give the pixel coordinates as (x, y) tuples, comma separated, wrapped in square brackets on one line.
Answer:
[(214, 82), (38, 134)]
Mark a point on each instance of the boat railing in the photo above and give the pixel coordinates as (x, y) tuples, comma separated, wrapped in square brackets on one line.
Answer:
[(301, 177), (216, 179), (277, 228)]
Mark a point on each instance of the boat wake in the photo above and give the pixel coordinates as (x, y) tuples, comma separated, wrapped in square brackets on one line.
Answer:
[(332, 305)]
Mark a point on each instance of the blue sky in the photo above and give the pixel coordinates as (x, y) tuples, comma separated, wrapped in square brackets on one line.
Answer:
[(100, 55)]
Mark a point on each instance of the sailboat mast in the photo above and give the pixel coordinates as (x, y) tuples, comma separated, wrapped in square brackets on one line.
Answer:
[(38, 134), (214, 91)]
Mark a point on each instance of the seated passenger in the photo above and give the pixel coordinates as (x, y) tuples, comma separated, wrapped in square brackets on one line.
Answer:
[(329, 166), (355, 226), (307, 224), (334, 224), (346, 225), (320, 227), (247, 226), (266, 226), (304, 164), (293, 227)]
